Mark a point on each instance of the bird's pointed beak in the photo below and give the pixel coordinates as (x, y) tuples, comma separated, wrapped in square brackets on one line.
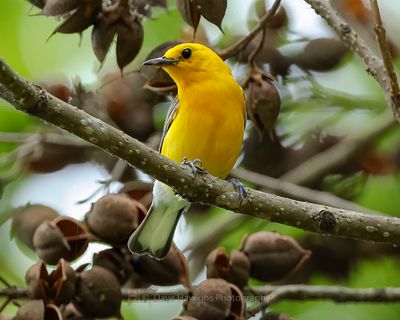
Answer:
[(161, 62)]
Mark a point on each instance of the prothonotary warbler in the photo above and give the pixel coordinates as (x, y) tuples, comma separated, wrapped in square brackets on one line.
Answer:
[(204, 126)]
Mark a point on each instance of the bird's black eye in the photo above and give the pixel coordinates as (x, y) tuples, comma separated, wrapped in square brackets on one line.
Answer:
[(186, 53)]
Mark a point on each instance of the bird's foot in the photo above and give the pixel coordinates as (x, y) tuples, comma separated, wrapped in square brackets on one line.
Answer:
[(241, 189), (196, 165)]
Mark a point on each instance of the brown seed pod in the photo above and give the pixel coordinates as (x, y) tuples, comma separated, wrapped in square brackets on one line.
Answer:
[(171, 270), (26, 219), (263, 101), (279, 20), (239, 269), (110, 18), (213, 10), (51, 157), (31, 310), (98, 293), (273, 256), (58, 287), (59, 7), (183, 318), (210, 300), (103, 33), (130, 106), (321, 54), (215, 299), (53, 312), (36, 278), (157, 79), (37, 310), (62, 282), (279, 63), (235, 269), (38, 3), (217, 263), (60, 90), (129, 42), (113, 217), (63, 237), (140, 191), (189, 12), (81, 19), (115, 261)]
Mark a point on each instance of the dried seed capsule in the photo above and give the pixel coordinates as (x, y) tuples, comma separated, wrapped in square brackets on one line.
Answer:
[(210, 300), (235, 269), (36, 278), (171, 270), (58, 287), (63, 237), (263, 102), (239, 269), (116, 262), (157, 79), (26, 219), (31, 310), (98, 293), (129, 105), (189, 12), (321, 54), (62, 282), (213, 10), (38, 3), (53, 157), (216, 299), (273, 256), (217, 263), (113, 217)]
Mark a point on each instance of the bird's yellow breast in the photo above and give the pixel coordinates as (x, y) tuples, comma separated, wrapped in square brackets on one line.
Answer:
[(209, 125)]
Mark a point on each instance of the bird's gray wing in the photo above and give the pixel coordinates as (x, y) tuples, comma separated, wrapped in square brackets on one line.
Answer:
[(171, 115)]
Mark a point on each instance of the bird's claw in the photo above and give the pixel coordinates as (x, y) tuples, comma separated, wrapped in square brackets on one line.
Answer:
[(196, 165), (241, 189)]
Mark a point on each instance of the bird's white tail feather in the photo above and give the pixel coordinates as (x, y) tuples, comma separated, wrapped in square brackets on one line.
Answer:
[(154, 235)]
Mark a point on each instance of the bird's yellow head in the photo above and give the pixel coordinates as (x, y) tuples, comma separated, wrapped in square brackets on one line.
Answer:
[(190, 62)]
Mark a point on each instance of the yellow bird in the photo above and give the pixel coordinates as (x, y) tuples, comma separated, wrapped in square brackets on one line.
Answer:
[(204, 128)]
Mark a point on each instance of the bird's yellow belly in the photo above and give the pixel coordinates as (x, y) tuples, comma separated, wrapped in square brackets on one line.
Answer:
[(213, 135)]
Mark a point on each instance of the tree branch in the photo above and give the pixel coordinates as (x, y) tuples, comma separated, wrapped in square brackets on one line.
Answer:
[(275, 294), (49, 137), (32, 99), (282, 292), (349, 37), (387, 59)]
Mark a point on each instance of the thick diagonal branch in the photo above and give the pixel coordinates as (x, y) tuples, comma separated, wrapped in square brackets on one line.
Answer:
[(32, 99)]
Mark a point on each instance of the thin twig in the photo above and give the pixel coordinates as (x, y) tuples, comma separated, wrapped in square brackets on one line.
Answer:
[(273, 294), (257, 293), (256, 50), (387, 59), (49, 137), (235, 48)]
